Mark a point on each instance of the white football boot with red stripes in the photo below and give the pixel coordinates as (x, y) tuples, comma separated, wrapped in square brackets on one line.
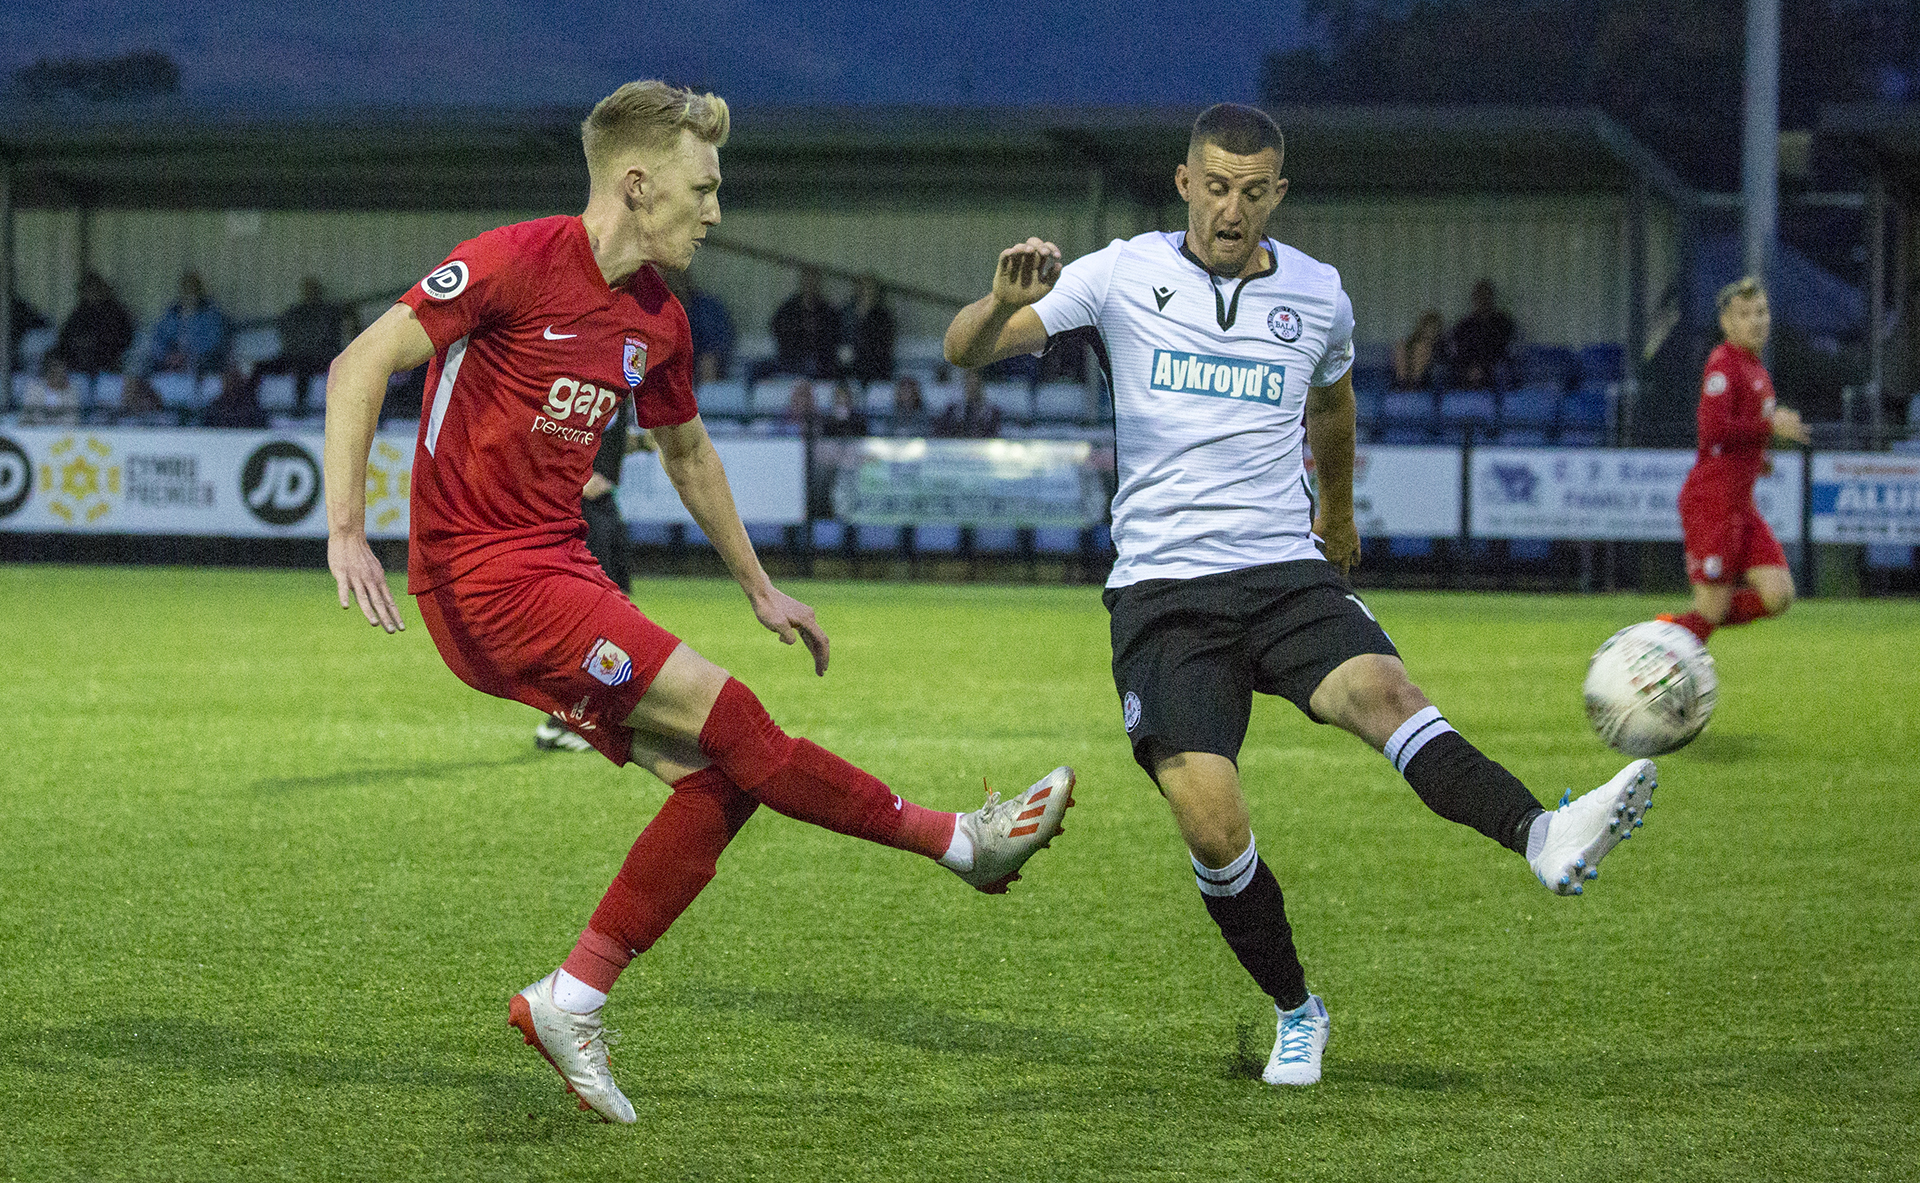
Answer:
[(1007, 833), (576, 1046)]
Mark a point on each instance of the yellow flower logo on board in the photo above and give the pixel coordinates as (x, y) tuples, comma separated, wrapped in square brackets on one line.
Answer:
[(388, 485), (80, 481)]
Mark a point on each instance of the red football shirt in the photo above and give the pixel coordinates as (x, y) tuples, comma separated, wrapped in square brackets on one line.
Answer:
[(534, 353), (1736, 421)]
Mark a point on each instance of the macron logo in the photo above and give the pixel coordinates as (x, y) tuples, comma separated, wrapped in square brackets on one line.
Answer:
[(553, 336), (1217, 377)]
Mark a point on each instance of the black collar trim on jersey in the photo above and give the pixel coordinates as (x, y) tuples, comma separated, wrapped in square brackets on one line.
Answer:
[(1223, 311)]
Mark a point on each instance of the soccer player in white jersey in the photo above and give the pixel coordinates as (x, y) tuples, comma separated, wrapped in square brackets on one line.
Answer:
[(1227, 352)]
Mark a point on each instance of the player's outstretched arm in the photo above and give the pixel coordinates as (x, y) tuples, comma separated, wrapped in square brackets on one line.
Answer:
[(1003, 322), (356, 386), (687, 455), (1330, 432)]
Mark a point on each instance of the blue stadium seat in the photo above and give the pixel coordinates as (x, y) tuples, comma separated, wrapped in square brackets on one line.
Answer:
[(649, 533), (1530, 550), (1056, 540), (1889, 556), (767, 535), (176, 391), (1602, 362), (1060, 402), (1521, 437), (1585, 408), (726, 396), (1410, 548), (936, 538), (277, 392), (1401, 433), (995, 540), (107, 390), (1014, 398), (1552, 366), (1366, 407), (1467, 408), (829, 534), (1404, 407), (1530, 406), (317, 393), (876, 539)]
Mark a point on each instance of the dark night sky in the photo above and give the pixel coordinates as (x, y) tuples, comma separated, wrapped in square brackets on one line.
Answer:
[(1000, 52)]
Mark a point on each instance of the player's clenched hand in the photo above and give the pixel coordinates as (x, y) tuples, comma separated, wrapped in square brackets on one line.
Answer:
[(793, 621), (1788, 425), (1026, 273), (1340, 542), (360, 576)]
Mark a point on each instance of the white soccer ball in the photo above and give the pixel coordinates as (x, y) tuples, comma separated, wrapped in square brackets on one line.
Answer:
[(1650, 688)]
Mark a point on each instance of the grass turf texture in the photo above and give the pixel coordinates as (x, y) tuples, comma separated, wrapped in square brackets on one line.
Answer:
[(268, 877)]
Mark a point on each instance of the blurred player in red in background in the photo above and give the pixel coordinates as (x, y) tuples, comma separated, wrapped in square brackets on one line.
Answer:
[(1727, 540), (536, 333)]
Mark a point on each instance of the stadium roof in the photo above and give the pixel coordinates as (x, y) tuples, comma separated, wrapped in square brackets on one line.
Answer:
[(167, 156), (1887, 133)]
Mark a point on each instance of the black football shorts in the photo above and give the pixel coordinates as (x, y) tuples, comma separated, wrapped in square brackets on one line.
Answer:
[(1189, 653)]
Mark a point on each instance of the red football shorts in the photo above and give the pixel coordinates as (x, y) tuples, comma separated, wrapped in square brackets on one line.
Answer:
[(1723, 545), (547, 627)]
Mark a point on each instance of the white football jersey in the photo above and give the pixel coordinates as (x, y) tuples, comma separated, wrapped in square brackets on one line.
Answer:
[(1209, 379)]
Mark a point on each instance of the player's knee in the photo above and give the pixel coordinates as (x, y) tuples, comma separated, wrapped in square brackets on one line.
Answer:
[(1777, 599), (742, 739), (1373, 697)]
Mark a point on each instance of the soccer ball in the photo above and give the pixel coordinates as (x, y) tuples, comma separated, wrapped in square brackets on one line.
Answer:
[(1650, 689)]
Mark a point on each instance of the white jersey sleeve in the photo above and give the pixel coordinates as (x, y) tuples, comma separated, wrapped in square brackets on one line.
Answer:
[(1080, 292), (1339, 356)]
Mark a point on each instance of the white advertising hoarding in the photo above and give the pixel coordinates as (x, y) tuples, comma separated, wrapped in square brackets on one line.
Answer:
[(268, 484), (1406, 491), (1866, 497), (1606, 494)]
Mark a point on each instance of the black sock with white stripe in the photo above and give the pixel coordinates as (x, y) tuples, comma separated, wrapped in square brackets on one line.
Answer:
[(1244, 899), (1459, 783)]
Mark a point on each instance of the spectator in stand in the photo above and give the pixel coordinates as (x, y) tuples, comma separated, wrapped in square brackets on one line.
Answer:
[(25, 319), (973, 417), (799, 414), (713, 335), (51, 397), (806, 331), (191, 336), (238, 404), (312, 332), (1418, 358), (867, 351), (97, 332), (844, 418), (1481, 341), (909, 417)]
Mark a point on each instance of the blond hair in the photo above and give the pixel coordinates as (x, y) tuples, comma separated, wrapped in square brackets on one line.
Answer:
[(649, 116), (1747, 287)]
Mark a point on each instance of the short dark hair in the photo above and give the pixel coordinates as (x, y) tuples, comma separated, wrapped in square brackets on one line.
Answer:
[(1239, 129)]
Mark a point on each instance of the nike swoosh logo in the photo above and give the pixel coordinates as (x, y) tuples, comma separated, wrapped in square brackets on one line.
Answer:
[(553, 336)]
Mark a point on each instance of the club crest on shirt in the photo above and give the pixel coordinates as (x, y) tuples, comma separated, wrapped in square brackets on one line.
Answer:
[(608, 663), (1130, 710), (633, 360), (1716, 383), (1284, 323)]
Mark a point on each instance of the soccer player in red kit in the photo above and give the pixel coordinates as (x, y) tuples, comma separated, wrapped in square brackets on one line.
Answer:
[(537, 332), (1728, 543)]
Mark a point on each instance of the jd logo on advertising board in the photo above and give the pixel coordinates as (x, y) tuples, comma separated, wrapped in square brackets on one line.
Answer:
[(16, 477), (280, 483)]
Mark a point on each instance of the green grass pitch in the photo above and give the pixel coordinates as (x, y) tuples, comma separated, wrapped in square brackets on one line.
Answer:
[(268, 877)]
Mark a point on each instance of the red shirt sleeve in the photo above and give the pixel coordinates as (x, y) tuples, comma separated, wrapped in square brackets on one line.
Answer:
[(1727, 418), (480, 284)]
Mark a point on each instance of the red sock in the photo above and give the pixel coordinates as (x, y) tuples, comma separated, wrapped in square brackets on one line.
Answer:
[(803, 780), (1747, 606), (1696, 624), (674, 857)]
